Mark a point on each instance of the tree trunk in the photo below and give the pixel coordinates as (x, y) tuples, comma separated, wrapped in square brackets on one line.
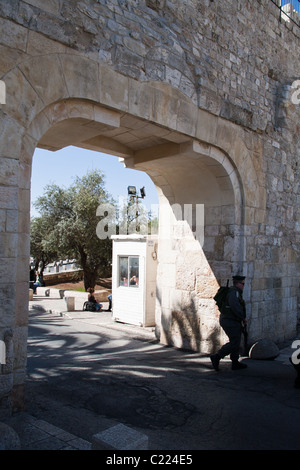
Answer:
[(89, 275), (89, 279)]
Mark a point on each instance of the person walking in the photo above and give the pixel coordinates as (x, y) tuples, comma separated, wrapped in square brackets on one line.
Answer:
[(232, 318)]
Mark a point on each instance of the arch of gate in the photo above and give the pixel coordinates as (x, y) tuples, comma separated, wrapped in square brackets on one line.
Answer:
[(61, 99), (201, 238)]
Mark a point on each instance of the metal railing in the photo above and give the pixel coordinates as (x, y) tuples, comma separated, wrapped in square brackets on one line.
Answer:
[(289, 10)]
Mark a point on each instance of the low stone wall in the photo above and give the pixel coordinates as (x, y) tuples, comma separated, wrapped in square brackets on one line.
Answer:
[(59, 278), (100, 295)]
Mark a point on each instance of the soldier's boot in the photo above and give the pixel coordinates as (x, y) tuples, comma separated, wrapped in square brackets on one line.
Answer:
[(236, 365), (215, 359)]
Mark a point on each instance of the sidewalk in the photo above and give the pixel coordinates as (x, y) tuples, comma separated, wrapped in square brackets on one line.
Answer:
[(258, 406), (57, 306)]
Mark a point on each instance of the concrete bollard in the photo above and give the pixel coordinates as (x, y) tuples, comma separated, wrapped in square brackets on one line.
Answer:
[(120, 437), (30, 294), (70, 303)]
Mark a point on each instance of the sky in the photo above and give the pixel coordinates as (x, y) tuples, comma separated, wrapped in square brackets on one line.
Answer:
[(295, 4), (62, 167)]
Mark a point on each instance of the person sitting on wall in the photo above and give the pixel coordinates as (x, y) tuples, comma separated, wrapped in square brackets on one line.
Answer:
[(33, 284), (41, 279), (91, 298)]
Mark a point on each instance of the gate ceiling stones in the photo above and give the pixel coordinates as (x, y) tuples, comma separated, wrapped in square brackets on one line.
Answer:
[(118, 134)]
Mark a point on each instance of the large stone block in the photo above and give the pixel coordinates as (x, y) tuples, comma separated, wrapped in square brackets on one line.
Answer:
[(51, 6), (114, 89), (44, 75), (81, 76), (264, 349), (13, 35), (120, 437)]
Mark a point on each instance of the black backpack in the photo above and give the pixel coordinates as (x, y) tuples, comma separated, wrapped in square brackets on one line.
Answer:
[(221, 295), (89, 306)]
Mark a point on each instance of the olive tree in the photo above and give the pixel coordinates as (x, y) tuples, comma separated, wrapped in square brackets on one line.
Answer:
[(69, 221)]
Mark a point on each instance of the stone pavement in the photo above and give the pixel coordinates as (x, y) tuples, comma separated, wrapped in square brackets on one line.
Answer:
[(57, 306), (38, 434)]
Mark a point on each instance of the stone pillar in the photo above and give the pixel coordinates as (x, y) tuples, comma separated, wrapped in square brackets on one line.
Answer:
[(8, 271), (14, 258)]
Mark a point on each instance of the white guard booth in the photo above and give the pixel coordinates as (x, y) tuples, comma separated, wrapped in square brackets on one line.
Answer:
[(134, 270)]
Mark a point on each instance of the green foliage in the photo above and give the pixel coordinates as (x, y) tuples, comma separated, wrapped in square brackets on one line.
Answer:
[(43, 251), (67, 226)]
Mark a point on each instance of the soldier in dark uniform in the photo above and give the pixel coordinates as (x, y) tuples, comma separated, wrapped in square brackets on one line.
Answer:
[(233, 315)]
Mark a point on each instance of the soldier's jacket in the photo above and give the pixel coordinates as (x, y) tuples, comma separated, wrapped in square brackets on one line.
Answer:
[(235, 305)]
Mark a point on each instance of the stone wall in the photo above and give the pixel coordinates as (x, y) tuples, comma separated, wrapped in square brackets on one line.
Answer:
[(52, 279), (190, 91)]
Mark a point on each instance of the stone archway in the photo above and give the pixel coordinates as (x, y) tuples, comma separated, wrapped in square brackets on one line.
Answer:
[(187, 173), (58, 99)]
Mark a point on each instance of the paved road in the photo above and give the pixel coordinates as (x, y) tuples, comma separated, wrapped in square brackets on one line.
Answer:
[(86, 374), (84, 378)]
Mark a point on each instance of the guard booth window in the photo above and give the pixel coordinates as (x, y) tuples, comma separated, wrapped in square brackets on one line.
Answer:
[(129, 271)]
